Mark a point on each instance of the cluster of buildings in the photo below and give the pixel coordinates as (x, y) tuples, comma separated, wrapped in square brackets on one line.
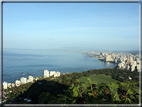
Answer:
[(122, 60), (52, 73), (24, 80)]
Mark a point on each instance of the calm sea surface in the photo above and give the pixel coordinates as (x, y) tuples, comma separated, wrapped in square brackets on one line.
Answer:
[(19, 63)]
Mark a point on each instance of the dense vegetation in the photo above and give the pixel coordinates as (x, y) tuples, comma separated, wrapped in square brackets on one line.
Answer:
[(67, 89)]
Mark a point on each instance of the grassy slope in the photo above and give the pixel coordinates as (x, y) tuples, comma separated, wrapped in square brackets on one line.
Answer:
[(102, 78)]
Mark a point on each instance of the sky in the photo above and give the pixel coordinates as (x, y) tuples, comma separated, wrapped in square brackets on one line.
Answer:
[(83, 26)]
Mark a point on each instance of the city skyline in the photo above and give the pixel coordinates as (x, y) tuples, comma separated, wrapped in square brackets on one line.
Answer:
[(85, 26)]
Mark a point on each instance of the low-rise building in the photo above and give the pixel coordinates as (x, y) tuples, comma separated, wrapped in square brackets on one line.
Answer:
[(28, 80), (13, 85)]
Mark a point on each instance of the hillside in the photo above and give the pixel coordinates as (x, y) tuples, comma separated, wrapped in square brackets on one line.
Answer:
[(103, 86)]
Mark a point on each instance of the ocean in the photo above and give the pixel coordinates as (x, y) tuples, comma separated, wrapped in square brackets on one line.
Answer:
[(19, 63)]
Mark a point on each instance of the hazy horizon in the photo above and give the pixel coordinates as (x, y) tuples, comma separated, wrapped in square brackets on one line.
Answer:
[(73, 49)]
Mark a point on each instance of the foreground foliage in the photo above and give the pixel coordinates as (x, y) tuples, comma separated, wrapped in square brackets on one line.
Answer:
[(67, 89), (112, 93)]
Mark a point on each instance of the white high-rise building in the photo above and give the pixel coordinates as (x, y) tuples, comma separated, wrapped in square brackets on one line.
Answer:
[(4, 85), (133, 63), (55, 75), (23, 80), (52, 73), (17, 83), (132, 68), (108, 58), (58, 74), (9, 85), (31, 78), (46, 73)]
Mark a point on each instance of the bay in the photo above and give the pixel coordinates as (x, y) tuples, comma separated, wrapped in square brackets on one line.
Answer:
[(19, 63)]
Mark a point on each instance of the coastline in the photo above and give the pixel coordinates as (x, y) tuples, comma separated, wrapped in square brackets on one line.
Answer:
[(33, 64), (124, 60), (99, 55)]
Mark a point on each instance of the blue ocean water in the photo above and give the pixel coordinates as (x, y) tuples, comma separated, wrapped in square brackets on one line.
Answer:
[(19, 63)]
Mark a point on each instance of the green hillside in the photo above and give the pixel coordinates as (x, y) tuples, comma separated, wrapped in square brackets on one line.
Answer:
[(102, 78), (79, 88)]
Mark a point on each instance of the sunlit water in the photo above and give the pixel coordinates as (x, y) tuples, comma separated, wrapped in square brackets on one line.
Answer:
[(19, 63)]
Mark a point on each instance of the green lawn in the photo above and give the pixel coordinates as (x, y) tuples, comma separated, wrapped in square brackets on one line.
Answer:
[(102, 78)]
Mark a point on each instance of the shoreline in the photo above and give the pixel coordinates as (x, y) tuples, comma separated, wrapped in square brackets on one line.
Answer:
[(128, 61), (21, 74), (100, 56)]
